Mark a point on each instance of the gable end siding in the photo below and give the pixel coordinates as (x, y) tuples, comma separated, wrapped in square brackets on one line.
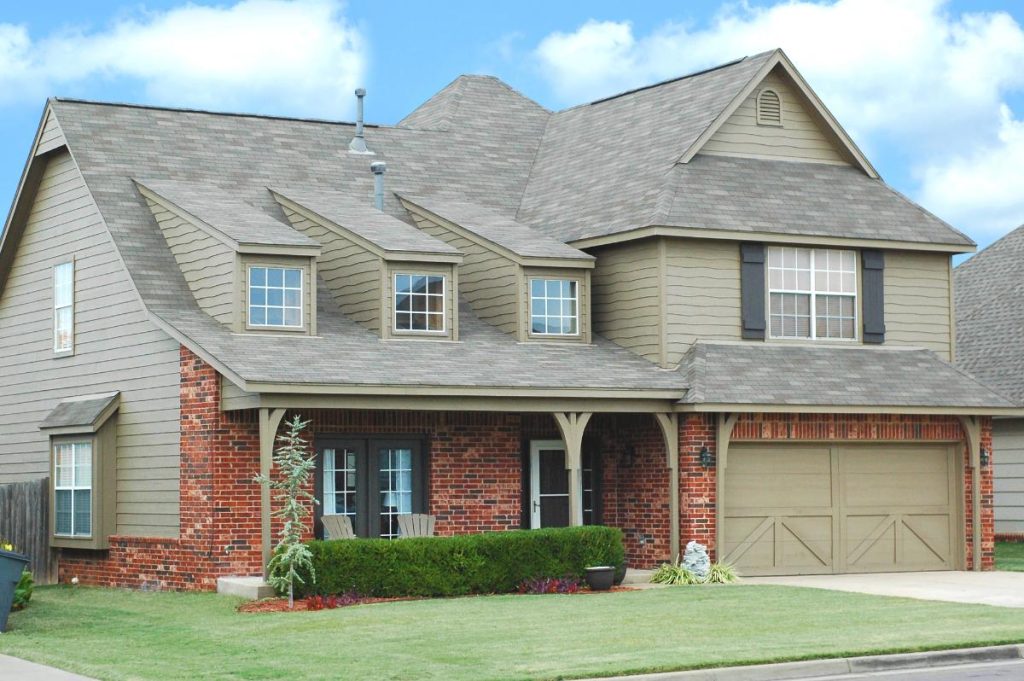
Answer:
[(800, 137), (52, 137), (207, 264), (487, 281), (351, 273), (116, 348)]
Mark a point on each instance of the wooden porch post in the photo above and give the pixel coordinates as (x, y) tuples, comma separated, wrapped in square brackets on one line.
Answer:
[(572, 425), (270, 419), (725, 425), (670, 432), (972, 432)]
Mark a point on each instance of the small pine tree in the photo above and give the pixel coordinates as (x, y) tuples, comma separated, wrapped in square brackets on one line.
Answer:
[(296, 464)]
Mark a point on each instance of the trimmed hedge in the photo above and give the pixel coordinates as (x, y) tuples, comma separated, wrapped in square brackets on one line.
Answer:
[(493, 562)]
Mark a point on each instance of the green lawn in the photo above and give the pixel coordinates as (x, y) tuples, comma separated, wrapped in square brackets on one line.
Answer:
[(112, 634), (1010, 556)]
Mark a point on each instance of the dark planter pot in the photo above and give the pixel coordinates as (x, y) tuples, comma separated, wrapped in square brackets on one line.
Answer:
[(11, 567), (600, 578)]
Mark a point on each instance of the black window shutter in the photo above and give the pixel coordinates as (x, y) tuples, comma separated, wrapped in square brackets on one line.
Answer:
[(752, 289), (873, 296)]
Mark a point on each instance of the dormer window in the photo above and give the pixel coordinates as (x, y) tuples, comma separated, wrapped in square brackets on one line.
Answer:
[(554, 307), (275, 297), (419, 303), (769, 108)]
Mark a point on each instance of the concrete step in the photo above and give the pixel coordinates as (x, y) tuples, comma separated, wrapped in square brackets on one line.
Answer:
[(253, 588)]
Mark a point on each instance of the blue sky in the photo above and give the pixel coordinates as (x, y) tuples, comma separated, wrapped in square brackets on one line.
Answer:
[(933, 91)]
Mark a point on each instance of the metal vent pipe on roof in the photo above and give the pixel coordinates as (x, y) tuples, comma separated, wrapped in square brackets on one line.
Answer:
[(358, 143), (378, 168)]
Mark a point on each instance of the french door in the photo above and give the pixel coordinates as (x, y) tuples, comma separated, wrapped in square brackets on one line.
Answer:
[(370, 480), (549, 486)]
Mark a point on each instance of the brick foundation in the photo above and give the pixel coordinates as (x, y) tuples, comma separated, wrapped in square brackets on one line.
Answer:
[(475, 479)]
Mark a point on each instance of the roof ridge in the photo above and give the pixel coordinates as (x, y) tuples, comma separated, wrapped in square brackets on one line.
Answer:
[(232, 114), (667, 81)]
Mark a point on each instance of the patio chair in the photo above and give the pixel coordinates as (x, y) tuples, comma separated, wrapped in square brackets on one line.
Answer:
[(338, 527), (415, 525)]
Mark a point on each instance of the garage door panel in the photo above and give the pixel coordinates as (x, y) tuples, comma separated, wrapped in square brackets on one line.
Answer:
[(807, 472), (765, 545), (894, 508), (883, 477)]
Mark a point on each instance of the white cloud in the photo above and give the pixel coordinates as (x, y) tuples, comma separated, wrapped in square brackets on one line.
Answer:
[(263, 55), (905, 77), (984, 187)]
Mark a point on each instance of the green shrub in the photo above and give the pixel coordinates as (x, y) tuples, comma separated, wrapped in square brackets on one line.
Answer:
[(721, 573), (674, 573), (23, 591), (493, 562)]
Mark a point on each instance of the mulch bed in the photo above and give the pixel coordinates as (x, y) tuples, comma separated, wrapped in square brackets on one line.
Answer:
[(281, 604)]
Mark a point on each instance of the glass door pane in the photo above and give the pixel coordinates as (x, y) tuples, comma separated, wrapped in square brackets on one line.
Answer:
[(394, 476), (340, 483)]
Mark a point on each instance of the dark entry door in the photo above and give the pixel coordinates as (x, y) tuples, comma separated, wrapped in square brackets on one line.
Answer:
[(549, 485)]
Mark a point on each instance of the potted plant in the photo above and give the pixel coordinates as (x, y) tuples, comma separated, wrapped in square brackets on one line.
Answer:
[(11, 566), (600, 577)]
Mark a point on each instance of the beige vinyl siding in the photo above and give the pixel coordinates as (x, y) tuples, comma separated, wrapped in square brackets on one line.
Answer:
[(207, 263), (1008, 462), (627, 308), (309, 275), (351, 273), (487, 280), (917, 301), (802, 136), (116, 348), (702, 293), (52, 136)]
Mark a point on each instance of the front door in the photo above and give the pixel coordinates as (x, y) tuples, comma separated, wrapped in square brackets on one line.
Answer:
[(549, 484)]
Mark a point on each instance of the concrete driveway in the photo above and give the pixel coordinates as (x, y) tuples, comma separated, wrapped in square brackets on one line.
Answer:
[(1004, 589)]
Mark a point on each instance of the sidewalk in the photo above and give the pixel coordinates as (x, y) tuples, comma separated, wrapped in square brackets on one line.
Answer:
[(16, 669)]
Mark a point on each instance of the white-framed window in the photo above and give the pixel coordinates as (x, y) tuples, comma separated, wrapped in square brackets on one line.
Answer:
[(64, 307), (554, 307), (419, 302), (275, 297), (812, 293), (72, 489)]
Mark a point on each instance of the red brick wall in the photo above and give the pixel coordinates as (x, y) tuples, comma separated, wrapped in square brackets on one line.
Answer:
[(883, 427), (697, 485)]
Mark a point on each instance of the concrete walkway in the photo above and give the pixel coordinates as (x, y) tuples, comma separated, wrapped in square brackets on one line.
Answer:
[(1004, 589), (16, 669)]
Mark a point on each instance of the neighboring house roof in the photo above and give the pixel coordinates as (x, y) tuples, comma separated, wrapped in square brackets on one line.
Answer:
[(224, 213), (989, 291), (90, 411), (514, 237), (364, 221), (762, 375)]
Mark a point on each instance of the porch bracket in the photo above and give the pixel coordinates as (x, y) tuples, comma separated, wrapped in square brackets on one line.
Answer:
[(572, 425), (670, 432), (723, 437), (270, 420), (972, 433)]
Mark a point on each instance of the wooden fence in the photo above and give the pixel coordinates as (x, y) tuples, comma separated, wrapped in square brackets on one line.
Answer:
[(24, 521)]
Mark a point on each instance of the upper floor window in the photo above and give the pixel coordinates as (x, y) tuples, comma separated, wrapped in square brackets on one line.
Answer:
[(64, 307), (554, 307), (72, 489), (419, 302), (812, 293), (275, 297)]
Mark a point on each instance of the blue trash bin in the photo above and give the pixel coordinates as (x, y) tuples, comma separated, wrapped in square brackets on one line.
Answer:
[(11, 566)]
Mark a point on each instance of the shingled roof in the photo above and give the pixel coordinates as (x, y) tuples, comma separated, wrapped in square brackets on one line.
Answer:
[(764, 375), (990, 316)]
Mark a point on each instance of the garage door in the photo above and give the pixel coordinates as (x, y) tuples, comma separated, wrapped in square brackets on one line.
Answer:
[(820, 509)]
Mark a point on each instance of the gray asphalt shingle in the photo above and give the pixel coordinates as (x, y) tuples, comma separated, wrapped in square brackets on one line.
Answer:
[(78, 412)]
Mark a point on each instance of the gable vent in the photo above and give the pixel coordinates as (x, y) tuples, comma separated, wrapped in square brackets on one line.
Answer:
[(769, 108)]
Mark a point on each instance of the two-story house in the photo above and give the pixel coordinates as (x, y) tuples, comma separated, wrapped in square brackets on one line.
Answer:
[(691, 311)]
